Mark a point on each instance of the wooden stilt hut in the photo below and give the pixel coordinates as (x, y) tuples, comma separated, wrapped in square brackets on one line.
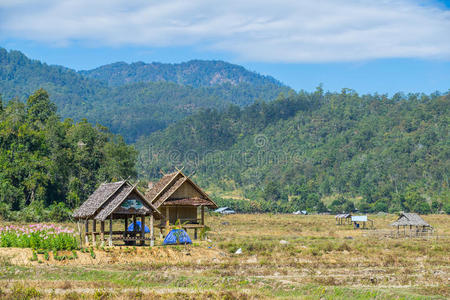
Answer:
[(117, 201), (181, 201), (412, 225)]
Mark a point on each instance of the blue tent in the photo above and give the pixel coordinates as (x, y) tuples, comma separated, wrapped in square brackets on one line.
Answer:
[(177, 236), (138, 227)]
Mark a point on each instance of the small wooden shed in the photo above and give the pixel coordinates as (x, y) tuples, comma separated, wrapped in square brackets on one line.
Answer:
[(417, 225), (117, 201), (181, 201)]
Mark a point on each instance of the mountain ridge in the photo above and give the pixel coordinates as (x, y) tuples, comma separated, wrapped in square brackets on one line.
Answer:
[(212, 72), (150, 105)]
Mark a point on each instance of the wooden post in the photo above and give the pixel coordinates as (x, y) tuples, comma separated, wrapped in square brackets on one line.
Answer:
[(203, 214), (134, 225), (125, 233), (79, 231), (152, 232), (195, 233), (94, 229), (143, 230), (86, 226), (110, 231), (102, 233), (167, 220)]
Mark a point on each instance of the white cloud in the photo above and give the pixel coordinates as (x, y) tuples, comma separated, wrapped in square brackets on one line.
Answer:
[(283, 30)]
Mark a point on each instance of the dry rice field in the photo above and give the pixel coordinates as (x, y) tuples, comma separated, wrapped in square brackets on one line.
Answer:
[(283, 256)]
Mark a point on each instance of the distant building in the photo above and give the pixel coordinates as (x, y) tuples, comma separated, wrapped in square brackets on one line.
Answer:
[(225, 211), (416, 225), (342, 219), (361, 222)]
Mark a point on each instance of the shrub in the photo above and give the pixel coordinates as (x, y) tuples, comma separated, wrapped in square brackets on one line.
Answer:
[(58, 212), (447, 208), (21, 292)]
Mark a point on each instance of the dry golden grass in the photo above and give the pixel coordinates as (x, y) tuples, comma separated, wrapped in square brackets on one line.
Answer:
[(318, 260)]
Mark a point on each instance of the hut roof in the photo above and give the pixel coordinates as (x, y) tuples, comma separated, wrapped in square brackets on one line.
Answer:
[(97, 199), (160, 185), (359, 218), (170, 191), (190, 201), (343, 216), (412, 219), (107, 198), (169, 184)]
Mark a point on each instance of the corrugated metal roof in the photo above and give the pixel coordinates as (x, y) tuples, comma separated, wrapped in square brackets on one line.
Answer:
[(221, 209), (359, 218)]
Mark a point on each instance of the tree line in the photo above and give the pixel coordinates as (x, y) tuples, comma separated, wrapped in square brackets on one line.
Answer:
[(49, 166)]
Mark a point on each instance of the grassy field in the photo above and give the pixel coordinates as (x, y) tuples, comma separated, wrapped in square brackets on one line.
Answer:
[(315, 260)]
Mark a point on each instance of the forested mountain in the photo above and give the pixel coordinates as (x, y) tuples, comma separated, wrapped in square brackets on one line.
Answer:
[(302, 151), (48, 166), (196, 73), (21, 76), (133, 108), (385, 154)]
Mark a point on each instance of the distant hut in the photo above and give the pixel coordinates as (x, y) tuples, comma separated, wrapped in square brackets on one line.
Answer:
[(113, 201), (417, 225), (179, 199), (361, 222), (342, 219)]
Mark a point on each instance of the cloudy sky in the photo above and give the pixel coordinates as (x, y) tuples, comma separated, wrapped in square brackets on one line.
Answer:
[(371, 46)]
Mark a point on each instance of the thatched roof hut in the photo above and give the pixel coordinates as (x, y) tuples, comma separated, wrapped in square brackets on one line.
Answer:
[(178, 189), (342, 219), (107, 200), (417, 225), (116, 200), (179, 198), (410, 219)]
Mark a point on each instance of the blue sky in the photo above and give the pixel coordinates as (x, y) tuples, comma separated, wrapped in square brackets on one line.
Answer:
[(370, 46)]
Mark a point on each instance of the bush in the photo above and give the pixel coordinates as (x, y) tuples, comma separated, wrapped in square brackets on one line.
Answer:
[(447, 208), (4, 211), (422, 207), (58, 212)]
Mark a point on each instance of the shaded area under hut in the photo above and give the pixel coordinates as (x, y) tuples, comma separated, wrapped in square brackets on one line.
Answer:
[(180, 201), (117, 201), (412, 225)]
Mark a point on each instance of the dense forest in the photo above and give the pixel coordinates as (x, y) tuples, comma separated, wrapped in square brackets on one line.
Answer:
[(130, 99), (48, 167), (315, 151)]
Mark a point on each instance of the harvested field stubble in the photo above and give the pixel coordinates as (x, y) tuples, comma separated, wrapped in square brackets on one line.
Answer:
[(315, 259)]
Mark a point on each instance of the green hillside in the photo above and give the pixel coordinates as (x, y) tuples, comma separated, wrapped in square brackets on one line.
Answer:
[(132, 107), (195, 73), (310, 149)]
